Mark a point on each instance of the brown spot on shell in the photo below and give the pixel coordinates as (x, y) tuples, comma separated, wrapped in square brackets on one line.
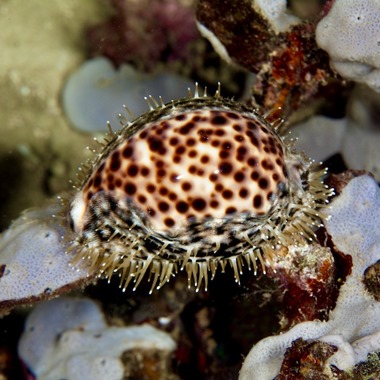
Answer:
[(263, 183), (257, 201), (169, 222), (163, 207), (182, 207), (130, 188), (198, 204)]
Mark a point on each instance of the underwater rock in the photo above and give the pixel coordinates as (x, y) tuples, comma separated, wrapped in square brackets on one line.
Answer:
[(69, 338), (310, 360), (372, 280), (221, 24), (34, 264), (94, 94), (306, 275), (353, 226), (354, 48), (291, 70)]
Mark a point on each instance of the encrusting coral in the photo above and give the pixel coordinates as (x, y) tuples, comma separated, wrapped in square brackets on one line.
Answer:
[(34, 265), (69, 338), (354, 50), (353, 219), (291, 71)]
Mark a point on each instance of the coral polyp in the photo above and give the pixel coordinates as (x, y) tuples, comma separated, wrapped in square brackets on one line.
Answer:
[(196, 185)]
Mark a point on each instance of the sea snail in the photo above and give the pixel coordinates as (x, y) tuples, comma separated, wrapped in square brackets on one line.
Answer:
[(195, 184)]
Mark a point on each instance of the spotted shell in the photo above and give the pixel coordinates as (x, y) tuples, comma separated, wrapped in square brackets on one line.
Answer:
[(194, 185)]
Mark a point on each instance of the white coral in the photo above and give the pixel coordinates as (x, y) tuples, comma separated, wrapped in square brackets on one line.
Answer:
[(276, 13), (68, 338), (33, 257), (350, 34)]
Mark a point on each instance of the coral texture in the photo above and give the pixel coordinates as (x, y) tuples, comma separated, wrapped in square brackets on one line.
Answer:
[(354, 50), (352, 224), (69, 338), (34, 264), (291, 70)]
